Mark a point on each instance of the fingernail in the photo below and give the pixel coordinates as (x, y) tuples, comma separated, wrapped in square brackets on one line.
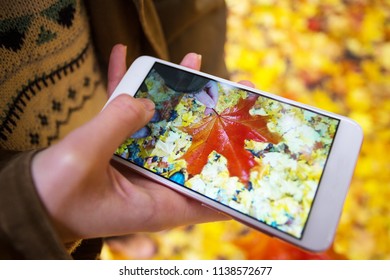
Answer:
[(148, 104)]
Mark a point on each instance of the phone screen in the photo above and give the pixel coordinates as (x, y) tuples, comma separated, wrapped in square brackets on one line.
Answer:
[(257, 155)]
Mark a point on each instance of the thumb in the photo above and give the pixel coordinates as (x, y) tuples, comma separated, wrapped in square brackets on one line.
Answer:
[(123, 116)]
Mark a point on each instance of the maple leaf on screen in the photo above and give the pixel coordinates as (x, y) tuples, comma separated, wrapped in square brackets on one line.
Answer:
[(226, 133)]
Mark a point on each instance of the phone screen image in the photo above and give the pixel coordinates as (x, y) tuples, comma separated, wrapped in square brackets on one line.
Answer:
[(259, 156)]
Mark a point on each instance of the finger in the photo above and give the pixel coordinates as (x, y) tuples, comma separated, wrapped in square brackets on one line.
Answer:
[(99, 138), (247, 83), (191, 212), (116, 67), (213, 91), (188, 211), (205, 99), (192, 60)]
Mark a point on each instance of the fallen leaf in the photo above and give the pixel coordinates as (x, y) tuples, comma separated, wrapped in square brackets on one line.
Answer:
[(226, 133)]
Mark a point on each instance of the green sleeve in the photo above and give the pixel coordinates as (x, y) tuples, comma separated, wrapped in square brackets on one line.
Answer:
[(25, 228)]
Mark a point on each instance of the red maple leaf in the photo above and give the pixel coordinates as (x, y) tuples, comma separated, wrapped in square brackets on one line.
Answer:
[(226, 133)]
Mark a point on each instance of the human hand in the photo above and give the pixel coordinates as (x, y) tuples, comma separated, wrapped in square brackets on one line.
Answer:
[(86, 196), (208, 96)]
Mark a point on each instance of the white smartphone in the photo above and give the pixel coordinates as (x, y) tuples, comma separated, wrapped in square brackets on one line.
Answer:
[(276, 165)]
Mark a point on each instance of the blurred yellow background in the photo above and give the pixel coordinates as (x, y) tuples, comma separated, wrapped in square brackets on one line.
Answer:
[(334, 55)]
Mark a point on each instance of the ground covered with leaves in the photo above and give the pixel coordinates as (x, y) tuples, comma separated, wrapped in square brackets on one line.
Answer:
[(331, 54)]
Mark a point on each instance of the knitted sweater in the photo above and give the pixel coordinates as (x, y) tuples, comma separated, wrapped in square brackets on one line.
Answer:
[(53, 61), (48, 72)]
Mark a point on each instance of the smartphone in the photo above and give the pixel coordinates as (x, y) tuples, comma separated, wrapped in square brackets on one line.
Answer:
[(276, 165)]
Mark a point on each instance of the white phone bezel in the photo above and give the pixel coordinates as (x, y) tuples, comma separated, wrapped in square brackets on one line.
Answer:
[(327, 206)]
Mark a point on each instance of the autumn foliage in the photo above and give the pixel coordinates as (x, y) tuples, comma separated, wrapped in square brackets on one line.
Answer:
[(226, 133)]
